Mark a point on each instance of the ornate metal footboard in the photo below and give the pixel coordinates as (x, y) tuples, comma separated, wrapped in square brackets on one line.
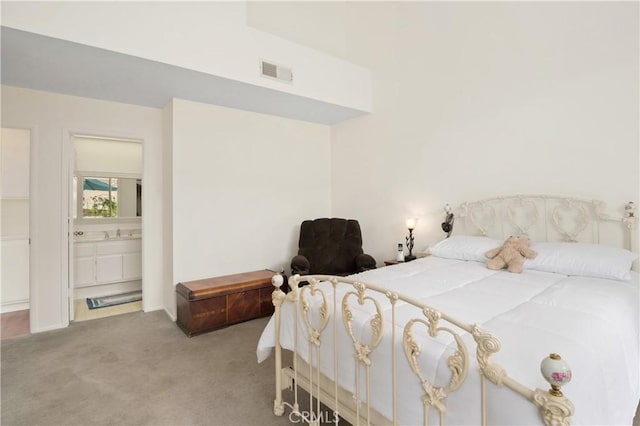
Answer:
[(316, 306)]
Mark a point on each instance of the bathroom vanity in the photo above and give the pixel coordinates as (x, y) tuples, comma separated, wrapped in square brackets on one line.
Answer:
[(107, 260)]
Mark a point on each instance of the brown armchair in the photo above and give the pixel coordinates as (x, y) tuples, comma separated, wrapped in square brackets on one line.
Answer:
[(331, 246)]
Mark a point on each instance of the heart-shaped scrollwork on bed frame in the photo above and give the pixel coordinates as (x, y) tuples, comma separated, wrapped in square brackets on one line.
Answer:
[(457, 362), (580, 219), (314, 330), (482, 215), (362, 349), (569, 217), (528, 208)]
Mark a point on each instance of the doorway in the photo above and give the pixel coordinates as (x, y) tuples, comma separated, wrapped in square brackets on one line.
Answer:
[(105, 226), (15, 148)]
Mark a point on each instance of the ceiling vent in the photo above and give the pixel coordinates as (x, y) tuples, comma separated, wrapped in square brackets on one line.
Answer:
[(278, 72)]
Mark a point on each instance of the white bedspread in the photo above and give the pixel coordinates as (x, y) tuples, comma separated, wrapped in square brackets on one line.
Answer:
[(593, 323)]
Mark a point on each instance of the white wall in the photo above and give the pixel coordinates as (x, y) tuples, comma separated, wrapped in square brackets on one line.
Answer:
[(476, 100), (211, 37), (242, 184), (236, 185), (53, 117), (317, 24)]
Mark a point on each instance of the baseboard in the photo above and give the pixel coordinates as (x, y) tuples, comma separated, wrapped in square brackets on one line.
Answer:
[(49, 328), (170, 315), (14, 306), (106, 289), (160, 308)]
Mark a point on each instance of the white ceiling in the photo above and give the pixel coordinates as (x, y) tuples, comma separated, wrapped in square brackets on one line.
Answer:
[(43, 63)]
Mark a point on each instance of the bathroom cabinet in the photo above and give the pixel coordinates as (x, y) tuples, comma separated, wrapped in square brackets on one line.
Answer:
[(107, 262)]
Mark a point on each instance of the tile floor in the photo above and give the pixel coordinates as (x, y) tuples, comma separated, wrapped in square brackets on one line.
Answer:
[(83, 313)]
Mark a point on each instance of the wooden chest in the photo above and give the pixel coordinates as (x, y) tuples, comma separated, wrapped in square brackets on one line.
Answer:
[(213, 303)]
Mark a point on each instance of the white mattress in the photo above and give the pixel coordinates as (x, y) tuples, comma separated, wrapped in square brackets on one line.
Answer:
[(593, 323)]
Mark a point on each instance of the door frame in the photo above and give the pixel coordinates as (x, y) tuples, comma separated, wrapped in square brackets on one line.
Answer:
[(68, 158)]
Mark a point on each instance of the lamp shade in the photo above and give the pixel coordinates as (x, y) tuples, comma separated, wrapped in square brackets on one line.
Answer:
[(411, 222)]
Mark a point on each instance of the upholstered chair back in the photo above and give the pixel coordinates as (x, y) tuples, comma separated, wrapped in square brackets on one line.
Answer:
[(331, 245)]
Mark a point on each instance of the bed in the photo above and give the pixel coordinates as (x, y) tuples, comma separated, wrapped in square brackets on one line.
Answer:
[(444, 338)]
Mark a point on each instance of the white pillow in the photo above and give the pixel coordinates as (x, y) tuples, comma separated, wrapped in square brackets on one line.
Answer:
[(590, 260), (464, 247)]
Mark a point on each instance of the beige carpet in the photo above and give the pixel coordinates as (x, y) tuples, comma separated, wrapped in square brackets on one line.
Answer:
[(138, 369)]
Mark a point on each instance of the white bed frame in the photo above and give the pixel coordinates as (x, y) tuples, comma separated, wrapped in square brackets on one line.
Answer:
[(542, 217)]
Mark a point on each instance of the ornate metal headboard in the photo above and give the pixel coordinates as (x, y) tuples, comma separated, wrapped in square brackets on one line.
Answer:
[(543, 218)]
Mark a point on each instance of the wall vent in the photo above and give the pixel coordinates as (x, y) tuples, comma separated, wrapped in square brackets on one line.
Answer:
[(278, 72)]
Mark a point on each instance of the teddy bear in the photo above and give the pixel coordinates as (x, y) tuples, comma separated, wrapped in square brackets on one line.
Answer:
[(511, 254)]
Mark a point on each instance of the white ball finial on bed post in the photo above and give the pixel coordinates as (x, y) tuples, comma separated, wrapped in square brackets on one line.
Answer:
[(555, 408), (277, 280), (556, 371)]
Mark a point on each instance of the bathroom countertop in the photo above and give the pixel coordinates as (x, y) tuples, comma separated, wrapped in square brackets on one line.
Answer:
[(101, 238)]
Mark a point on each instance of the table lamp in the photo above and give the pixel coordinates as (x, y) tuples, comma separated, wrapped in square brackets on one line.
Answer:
[(411, 224)]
